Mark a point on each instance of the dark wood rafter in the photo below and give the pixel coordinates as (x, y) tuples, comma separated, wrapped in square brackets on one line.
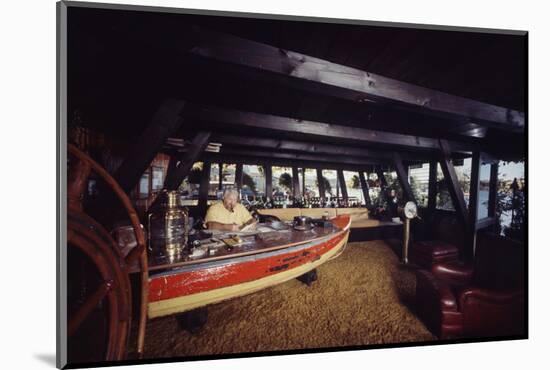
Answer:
[(255, 153), (268, 180), (284, 160), (451, 179), (432, 187), (219, 117), (204, 187), (166, 121), (320, 182), (295, 183), (331, 79), (313, 147), (365, 188), (181, 170), (402, 176), (342, 182), (473, 204)]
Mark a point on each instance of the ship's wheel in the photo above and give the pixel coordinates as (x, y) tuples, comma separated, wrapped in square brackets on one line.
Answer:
[(99, 296)]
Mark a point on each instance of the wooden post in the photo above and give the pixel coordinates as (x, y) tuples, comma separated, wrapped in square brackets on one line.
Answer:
[(220, 176), (452, 183), (295, 183), (493, 190), (473, 205), (342, 182), (268, 180), (239, 176), (365, 188), (166, 121), (432, 187), (180, 172), (321, 184), (203, 189), (402, 175)]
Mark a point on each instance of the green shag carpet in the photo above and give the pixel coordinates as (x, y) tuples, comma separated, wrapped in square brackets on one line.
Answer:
[(362, 297)]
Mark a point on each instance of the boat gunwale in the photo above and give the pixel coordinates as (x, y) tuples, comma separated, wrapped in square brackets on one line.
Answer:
[(171, 268)]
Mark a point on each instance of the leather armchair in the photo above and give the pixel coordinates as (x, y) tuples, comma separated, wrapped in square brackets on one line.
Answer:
[(457, 300)]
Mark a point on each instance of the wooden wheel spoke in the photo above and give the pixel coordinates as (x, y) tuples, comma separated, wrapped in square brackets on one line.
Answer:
[(89, 305)]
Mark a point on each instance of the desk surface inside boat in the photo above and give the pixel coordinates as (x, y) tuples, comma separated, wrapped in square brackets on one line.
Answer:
[(252, 244)]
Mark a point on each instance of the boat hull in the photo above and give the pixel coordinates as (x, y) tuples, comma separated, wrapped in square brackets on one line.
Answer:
[(199, 285)]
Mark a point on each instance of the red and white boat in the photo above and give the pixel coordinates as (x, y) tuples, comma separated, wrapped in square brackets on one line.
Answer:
[(264, 260)]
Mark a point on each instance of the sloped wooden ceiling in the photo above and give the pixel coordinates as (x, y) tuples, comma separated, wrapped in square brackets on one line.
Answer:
[(124, 64)]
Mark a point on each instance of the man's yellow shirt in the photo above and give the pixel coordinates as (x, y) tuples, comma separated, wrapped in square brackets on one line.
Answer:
[(218, 213)]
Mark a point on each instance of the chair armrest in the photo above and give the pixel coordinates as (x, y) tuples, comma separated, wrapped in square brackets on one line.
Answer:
[(489, 296), (454, 273), (430, 289), (436, 306)]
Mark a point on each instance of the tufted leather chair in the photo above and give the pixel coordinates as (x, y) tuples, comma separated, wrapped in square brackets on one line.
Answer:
[(484, 299)]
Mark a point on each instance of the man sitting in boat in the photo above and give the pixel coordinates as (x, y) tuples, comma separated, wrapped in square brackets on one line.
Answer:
[(228, 215)]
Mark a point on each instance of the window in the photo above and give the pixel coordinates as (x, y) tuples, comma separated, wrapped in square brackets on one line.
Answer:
[(214, 190), (310, 186), (281, 180), (484, 189), (189, 187), (374, 188), (330, 184), (393, 183), (253, 181), (510, 209), (158, 179), (463, 169), (419, 179), (443, 198), (353, 186), (228, 175), (144, 186)]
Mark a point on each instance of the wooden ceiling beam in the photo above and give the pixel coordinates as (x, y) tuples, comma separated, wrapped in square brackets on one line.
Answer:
[(348, 83), (313, 148), (229, 117)]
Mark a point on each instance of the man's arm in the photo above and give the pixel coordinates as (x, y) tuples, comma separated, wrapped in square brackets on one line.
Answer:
[(221, 226), (249, 222)]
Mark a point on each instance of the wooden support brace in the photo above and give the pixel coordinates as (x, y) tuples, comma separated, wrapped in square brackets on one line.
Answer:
[(402, 175), (180, 172), (365, 188), (473, 203), (453, 185), (320, 182), (268, 180), (166, 121), (342, 182), (295, 183), (432, 187), (203, 189)]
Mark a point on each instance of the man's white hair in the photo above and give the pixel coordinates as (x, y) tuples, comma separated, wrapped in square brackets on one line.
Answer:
[(230, 191)]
